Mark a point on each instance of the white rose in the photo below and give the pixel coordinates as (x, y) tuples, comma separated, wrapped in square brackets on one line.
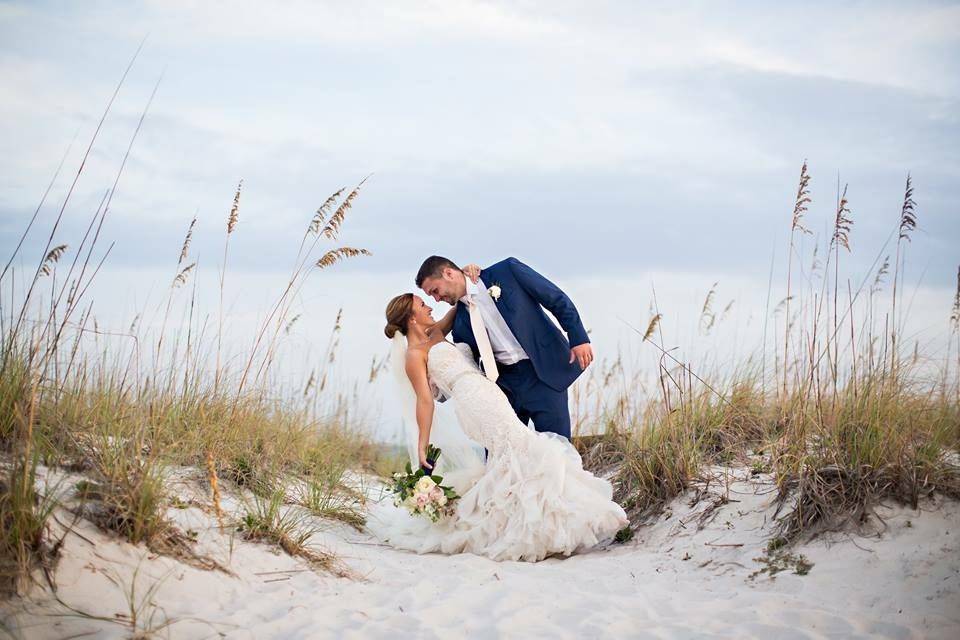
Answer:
[(494, 292), (424, 484), (410, 503)]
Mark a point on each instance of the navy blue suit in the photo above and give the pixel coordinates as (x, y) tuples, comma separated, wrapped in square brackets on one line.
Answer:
[(536, 388)]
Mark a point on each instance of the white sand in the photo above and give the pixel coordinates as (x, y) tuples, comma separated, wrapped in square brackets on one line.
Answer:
[(670, 581)]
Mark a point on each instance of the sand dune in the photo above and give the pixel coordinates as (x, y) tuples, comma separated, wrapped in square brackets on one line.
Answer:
[(694, 573)]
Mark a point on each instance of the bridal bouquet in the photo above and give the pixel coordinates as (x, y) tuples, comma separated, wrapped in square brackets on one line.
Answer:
[(421, 493)]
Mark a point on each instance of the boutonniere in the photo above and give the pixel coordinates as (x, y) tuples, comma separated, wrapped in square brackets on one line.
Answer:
[(494, 291)]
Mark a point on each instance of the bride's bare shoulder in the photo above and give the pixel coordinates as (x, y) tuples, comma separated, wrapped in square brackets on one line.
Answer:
[(416, 358), (416, 367)]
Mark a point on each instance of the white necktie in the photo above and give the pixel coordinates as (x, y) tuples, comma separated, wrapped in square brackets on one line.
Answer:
[(483, 341)]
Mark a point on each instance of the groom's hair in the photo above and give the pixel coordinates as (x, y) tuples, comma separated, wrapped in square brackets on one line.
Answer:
[(433, 267)]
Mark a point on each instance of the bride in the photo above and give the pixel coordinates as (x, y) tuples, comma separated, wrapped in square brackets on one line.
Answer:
[(529, 500)]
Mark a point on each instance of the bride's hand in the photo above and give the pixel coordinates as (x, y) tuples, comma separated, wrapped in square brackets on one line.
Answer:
[(472, 271), (423, 461)]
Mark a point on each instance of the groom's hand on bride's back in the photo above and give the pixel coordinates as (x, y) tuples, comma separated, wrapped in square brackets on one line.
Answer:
[(583, 354)]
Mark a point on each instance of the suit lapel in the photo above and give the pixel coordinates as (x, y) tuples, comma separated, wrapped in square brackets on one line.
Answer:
[(490, 278)]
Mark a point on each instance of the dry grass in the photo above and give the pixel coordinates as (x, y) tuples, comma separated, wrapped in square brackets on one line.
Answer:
[(25, 542), (270, 519), (123, 411), (845, 420)]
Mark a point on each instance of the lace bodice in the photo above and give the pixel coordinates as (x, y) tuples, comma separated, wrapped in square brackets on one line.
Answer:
[(485, 414), (448, 362)]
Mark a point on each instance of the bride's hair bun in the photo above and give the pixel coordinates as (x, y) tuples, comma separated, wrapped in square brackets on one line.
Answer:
[(398, 313)]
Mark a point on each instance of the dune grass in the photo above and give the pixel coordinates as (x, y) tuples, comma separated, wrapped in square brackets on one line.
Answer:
[(124, 429), (123, 408), (843, 418), (270, 519)]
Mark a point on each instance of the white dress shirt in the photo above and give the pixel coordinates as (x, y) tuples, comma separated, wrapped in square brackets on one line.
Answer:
[(506, 349)]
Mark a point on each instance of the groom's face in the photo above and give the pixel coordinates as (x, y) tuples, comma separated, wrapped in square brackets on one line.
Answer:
[(448, 287)]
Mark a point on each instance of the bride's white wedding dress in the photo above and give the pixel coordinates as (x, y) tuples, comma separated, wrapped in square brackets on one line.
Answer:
[(532, 499)]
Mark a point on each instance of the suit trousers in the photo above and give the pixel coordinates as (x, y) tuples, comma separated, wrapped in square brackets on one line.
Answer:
[(533, 400)]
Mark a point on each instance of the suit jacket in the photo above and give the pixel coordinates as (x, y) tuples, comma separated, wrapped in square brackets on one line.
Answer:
[(524, 294)]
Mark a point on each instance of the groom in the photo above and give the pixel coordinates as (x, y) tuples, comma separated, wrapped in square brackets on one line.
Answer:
[(502, 319)]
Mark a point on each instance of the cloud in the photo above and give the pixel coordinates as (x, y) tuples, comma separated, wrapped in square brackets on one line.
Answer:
[(298, 22), (612, 137)]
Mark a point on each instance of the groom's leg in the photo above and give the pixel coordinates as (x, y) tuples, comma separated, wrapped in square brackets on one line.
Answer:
[(515, 382), (531, 398), (549, 409)]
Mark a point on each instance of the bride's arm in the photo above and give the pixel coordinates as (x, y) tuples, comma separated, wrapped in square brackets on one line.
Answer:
[(416, 367), (444, 324)]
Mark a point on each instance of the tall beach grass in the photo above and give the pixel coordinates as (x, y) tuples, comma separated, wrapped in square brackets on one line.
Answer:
[(843, 413), (123, 408)]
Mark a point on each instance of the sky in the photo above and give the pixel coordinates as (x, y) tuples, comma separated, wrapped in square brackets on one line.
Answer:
[(617, 147)]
